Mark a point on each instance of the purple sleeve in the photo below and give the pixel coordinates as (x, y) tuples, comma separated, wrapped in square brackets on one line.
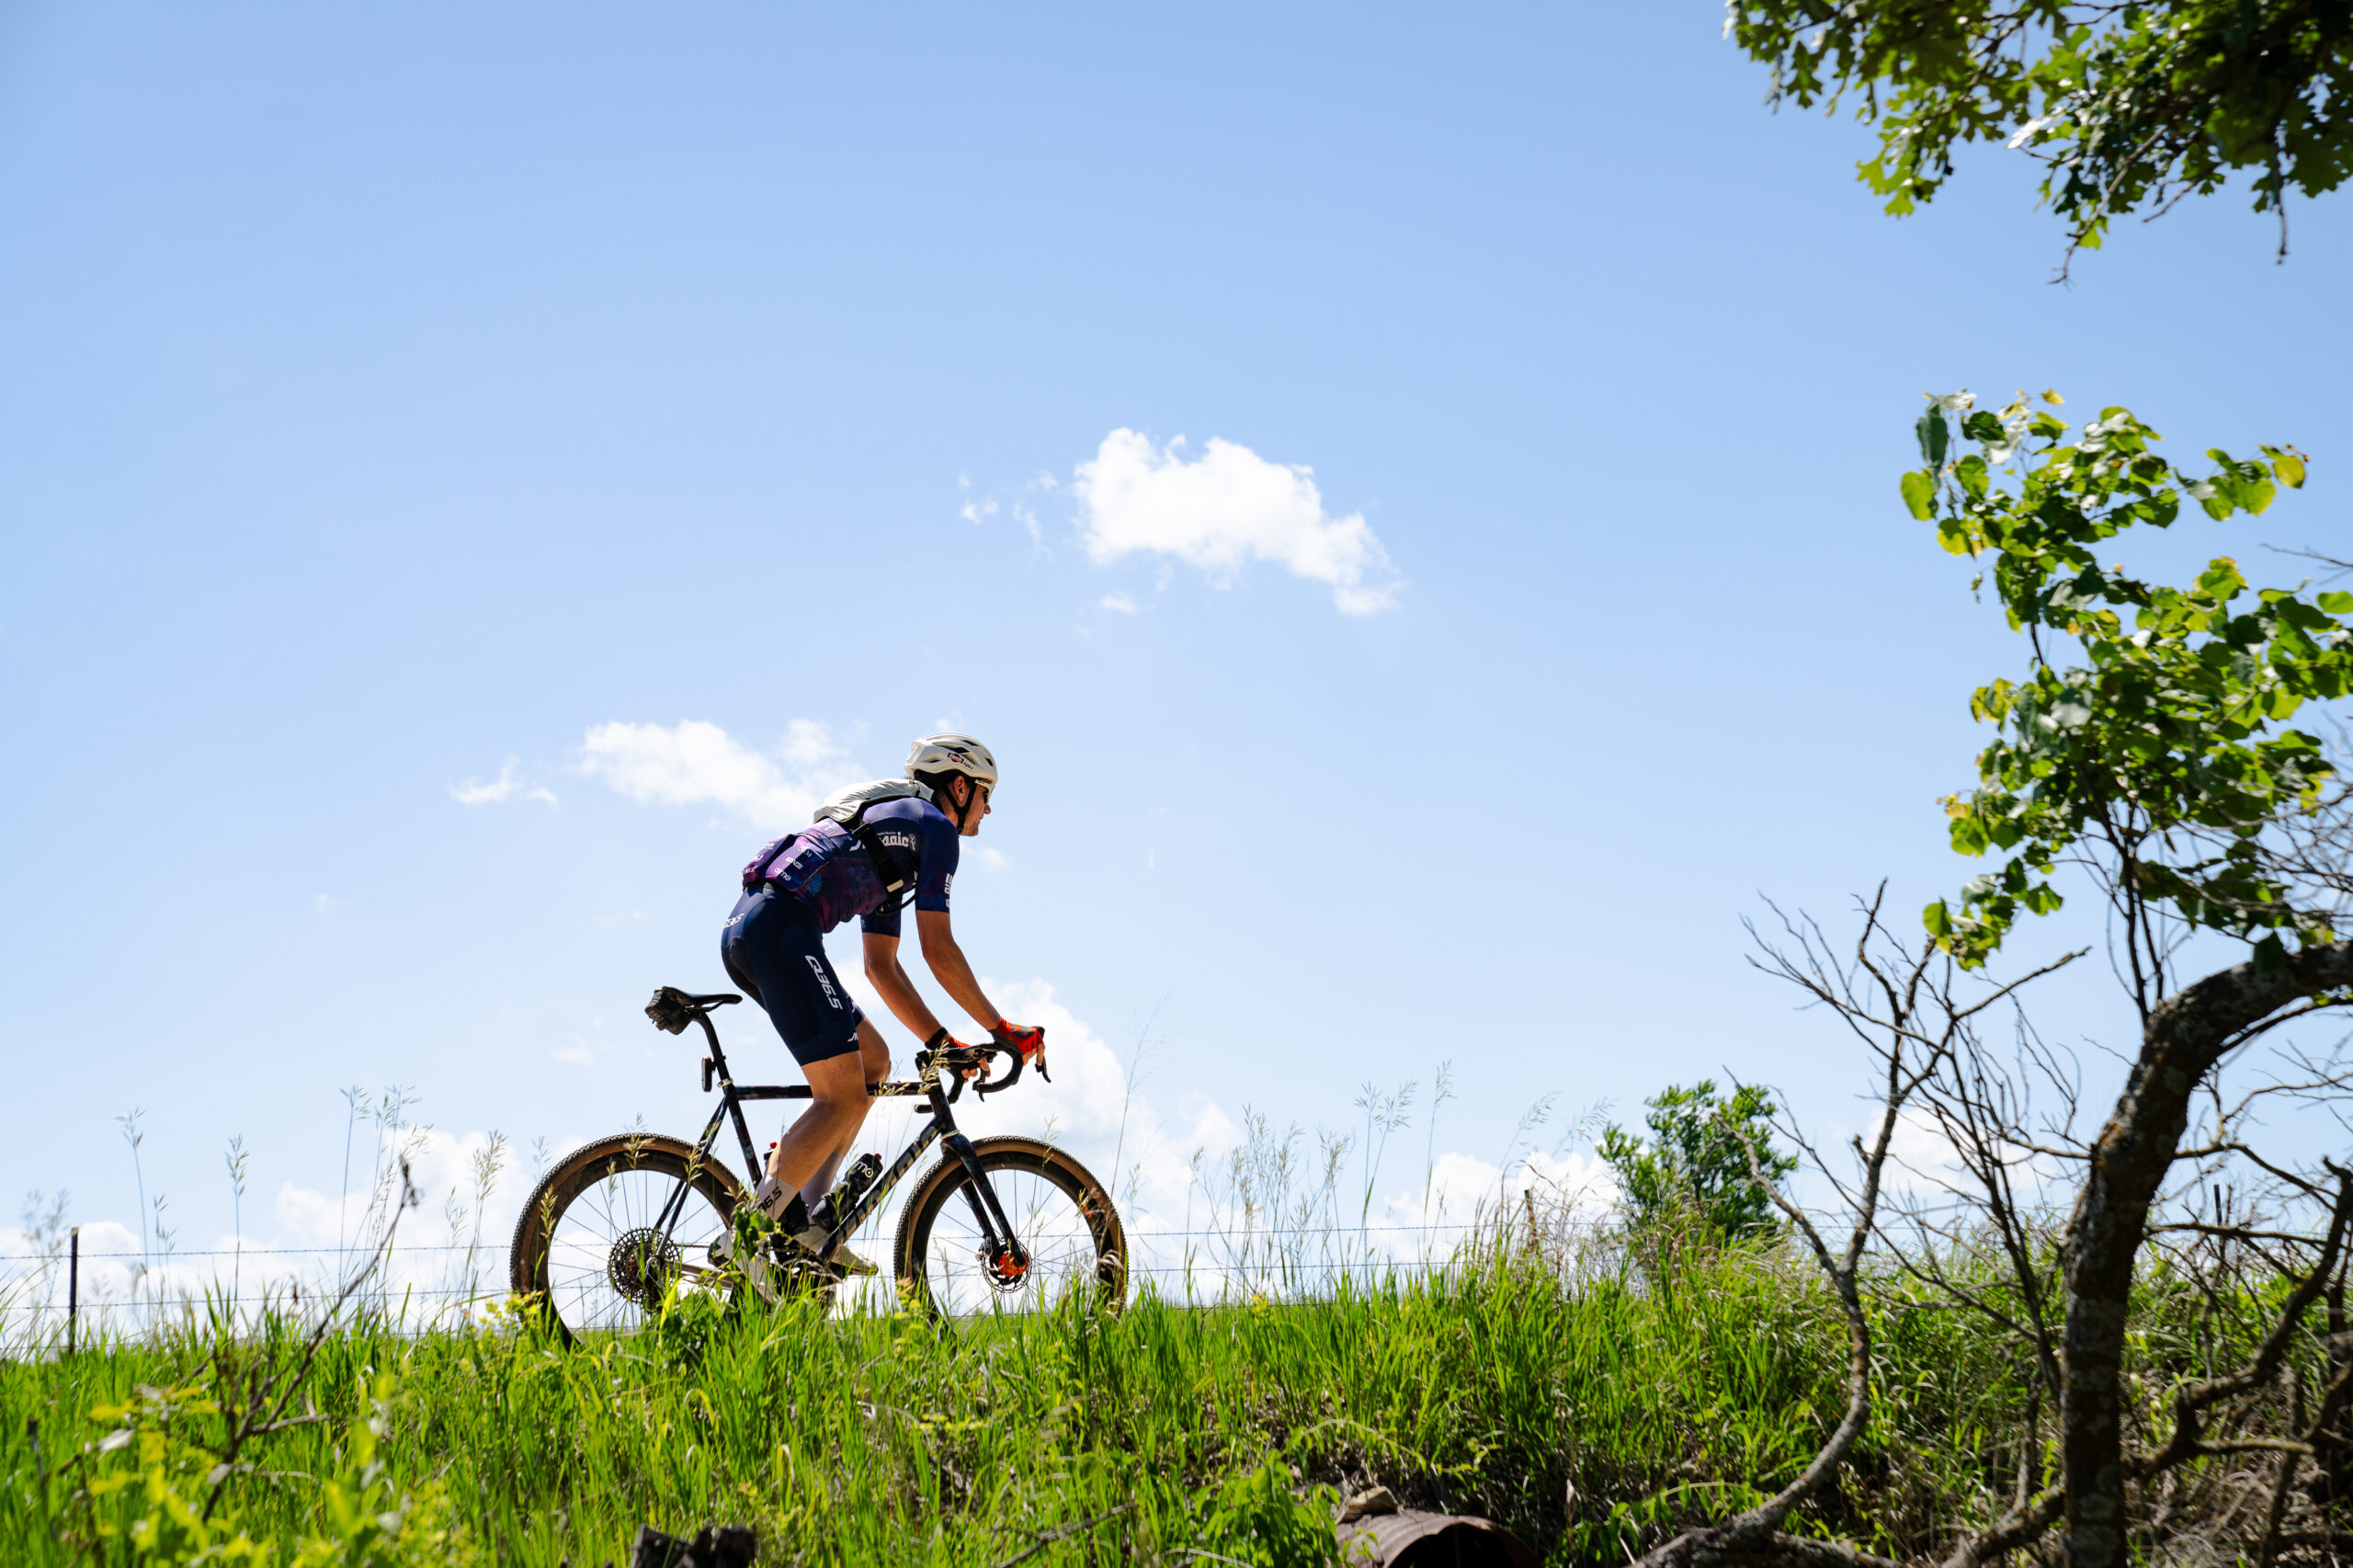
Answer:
[(941, 848)]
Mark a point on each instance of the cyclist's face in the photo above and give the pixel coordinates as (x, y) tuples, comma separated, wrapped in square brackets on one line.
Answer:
[(974, 813)]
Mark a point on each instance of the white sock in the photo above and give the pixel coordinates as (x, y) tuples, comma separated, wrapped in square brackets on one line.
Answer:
[(770, 1197)]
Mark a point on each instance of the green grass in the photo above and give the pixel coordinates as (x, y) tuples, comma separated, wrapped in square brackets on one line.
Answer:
[(1592, 1412), (1494, 1388)]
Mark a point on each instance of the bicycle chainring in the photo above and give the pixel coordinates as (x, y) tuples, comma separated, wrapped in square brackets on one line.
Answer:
[(640, 1267)]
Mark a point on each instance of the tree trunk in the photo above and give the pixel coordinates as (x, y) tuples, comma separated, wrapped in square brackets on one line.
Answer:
[(2186, 1036)]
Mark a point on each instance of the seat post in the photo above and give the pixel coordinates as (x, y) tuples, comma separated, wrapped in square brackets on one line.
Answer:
[(729, 1105), (717, 1057)]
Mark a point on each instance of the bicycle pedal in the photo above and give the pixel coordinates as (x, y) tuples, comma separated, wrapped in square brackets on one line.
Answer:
[(793, 1257)]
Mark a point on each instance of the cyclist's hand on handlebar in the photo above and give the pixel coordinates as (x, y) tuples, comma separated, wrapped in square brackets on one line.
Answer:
[(1029, 1040), (942, 1040)]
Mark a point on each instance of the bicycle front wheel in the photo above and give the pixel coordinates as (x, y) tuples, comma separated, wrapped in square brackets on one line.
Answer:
[(1066, 1234), (609, 1230)]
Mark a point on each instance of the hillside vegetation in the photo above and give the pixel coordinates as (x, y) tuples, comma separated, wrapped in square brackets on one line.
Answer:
[(1592, 1409)]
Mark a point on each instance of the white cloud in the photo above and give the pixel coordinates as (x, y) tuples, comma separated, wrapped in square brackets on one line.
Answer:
[(694, 763), (992, 859), (1136, 1141), (1462, 1190), (1124, 604), (1925, 1170), (980, 510), (499, 790), (1223, 510)]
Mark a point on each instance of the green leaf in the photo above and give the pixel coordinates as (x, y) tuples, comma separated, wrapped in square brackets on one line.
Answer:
[(2270, 955), (1920, 493), (1934, 437), (2176, 692), (2222, 579), (1982, 426)]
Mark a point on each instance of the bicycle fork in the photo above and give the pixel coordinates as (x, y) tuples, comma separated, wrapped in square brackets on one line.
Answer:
[(1001, 1251)]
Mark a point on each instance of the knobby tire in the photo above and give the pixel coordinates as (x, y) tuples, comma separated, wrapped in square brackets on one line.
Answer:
[(566, 1209), (1079, 1241)]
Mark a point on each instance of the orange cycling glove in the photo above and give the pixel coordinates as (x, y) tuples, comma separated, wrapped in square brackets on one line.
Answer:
[(942, 1040), (1029, 1041)]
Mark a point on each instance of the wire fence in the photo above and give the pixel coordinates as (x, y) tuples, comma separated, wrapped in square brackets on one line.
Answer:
[(1268, 1219), (66, 1295)]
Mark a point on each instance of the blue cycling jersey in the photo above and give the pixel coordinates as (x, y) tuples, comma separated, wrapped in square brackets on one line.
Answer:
[(831, 871)]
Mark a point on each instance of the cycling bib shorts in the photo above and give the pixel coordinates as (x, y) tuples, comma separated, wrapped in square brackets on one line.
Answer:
[(775, 953)]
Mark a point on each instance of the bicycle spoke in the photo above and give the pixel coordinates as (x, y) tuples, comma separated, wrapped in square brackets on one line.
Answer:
[(1050, 1227), (606, 1267)]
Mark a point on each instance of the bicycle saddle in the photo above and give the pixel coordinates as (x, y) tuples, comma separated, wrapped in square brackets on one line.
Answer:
[(673, 1009)]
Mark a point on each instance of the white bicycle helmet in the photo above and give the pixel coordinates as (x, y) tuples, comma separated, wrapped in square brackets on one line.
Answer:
[(934, 755)]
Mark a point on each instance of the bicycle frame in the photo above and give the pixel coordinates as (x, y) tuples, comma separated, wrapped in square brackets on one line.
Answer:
[(987, 1212)]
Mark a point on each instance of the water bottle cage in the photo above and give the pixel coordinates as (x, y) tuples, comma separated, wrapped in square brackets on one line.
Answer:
[(861, 1175)]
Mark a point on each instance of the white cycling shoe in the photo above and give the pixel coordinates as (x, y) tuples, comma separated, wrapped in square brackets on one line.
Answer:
[(811, 1240), (767, 1274), (758, 1270)]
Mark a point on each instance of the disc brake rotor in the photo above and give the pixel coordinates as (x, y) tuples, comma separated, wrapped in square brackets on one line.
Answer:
[(641, 1265), (1003, 1268)]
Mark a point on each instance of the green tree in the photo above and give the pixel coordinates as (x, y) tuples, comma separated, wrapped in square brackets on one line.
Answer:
[(1696, 1161), (2148, 749), (2165, 761), (2129, 107), (2162, 768)]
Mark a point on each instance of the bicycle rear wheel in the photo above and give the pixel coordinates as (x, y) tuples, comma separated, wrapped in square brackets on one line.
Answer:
[(587, 1250), (1063, 1218)]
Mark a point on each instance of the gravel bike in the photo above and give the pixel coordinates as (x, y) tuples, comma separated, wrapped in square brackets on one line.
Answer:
[(1000, 1223)]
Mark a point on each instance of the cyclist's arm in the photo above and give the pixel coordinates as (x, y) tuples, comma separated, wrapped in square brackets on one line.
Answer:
[(948, 966), (891, 984)]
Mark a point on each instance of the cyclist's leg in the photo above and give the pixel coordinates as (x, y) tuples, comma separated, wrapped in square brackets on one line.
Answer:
[(837, 1108), (874, 1057), (812, 1148), (776, 952)]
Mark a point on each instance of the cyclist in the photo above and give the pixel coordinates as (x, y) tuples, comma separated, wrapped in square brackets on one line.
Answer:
[(872, 849)]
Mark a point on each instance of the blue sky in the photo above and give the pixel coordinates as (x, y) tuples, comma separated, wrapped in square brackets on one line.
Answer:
[(396, 399)]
